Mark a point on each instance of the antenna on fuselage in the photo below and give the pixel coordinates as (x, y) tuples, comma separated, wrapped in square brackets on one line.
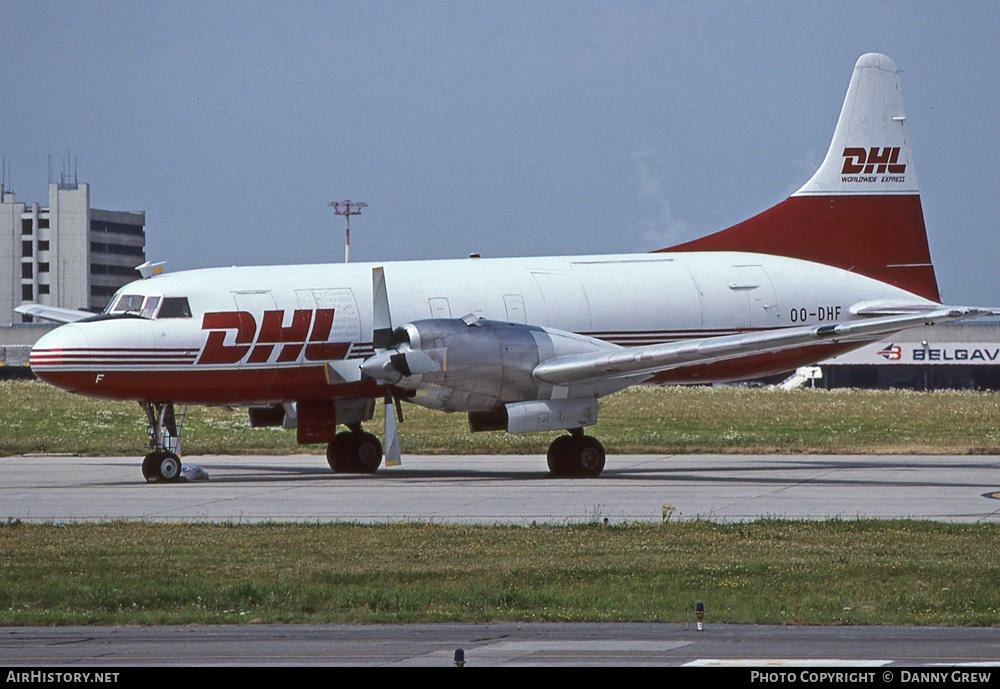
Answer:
[(149, 269), (347, 209)]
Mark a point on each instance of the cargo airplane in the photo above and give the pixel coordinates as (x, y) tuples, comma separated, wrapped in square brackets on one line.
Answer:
[(524, 344)]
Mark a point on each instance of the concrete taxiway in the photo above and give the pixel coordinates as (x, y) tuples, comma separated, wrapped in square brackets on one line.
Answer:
[(508, 489)]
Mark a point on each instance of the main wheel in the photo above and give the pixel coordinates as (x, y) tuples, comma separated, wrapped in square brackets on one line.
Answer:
[(576, 455), (354, 453), (589, 457), (340, 453), (560, 456), (367, 453)]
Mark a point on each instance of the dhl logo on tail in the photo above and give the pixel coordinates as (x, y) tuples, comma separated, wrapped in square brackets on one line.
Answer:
[(857, 160)]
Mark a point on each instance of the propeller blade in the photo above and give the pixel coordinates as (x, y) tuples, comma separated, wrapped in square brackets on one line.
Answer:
[(380, 366), (382, 321), (392, 454)]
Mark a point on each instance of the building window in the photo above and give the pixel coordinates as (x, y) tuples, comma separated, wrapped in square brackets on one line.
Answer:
[(43, 246), (116, 228), (102, 291), (104, 269), (27, 294), (116, 249), (43, 267), (25, 225), (43, 289), (26, 272), (26, 248)]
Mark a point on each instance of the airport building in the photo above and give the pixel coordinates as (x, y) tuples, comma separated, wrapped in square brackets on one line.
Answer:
[(65, 254), (964, 355)]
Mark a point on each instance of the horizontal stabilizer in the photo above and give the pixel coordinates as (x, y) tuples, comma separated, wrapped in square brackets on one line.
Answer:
[(881, 307)]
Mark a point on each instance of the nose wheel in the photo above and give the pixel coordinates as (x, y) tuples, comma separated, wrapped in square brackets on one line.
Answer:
[(163, 463)]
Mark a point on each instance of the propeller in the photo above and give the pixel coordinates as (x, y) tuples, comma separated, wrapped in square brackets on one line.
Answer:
[(379, 366), (394, 360)]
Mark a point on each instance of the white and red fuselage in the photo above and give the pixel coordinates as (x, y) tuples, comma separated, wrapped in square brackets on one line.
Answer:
[(264, 335)]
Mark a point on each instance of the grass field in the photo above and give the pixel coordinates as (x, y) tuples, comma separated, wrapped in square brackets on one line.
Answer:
[(768, 572), (36, 417)]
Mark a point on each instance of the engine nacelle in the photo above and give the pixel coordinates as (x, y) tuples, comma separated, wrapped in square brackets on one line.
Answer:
[(477, 365)]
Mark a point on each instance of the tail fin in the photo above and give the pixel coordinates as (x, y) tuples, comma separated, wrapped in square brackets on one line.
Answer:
[(861, 210)]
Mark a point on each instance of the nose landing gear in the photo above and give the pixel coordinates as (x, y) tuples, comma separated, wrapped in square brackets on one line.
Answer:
[(163, 463)]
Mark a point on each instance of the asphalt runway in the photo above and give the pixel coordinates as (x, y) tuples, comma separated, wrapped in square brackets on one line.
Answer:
[(878, 652), (508, 489)]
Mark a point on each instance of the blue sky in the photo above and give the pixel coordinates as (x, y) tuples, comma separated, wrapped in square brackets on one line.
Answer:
[(504, 128)]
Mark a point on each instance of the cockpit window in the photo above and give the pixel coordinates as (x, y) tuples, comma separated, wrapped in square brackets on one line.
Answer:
[(149, 308), (112, 301), (128, 303), (146, 307), (175, 307)]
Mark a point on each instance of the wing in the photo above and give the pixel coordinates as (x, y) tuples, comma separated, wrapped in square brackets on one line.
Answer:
[(52, 313), (632, 361)]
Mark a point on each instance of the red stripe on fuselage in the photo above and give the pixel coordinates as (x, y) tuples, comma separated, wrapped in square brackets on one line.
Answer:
[(113, 357)]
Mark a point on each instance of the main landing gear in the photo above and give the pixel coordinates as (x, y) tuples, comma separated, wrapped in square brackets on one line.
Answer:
[(163, 463), (576, 455), (354, 451)]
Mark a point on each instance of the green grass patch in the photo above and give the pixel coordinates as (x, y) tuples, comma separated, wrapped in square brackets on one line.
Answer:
[(765, 572), (36, 417)]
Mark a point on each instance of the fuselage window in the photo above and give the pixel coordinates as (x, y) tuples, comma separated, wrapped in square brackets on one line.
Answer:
[(175, 307)]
